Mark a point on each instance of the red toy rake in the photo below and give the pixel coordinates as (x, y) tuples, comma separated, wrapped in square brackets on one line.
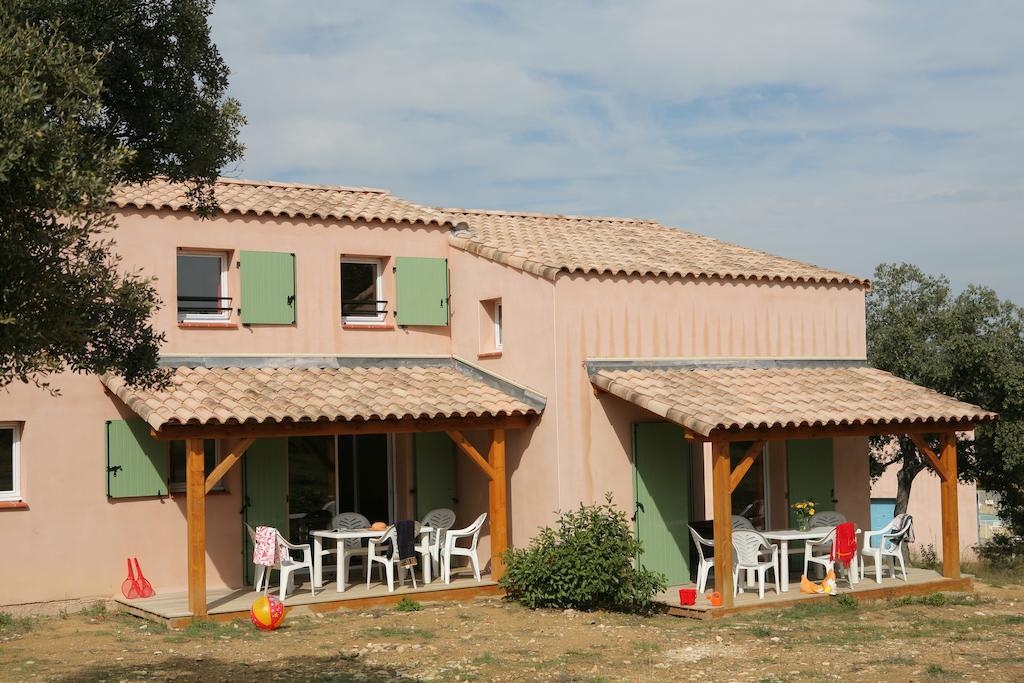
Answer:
[(130, 586), (145, 587)]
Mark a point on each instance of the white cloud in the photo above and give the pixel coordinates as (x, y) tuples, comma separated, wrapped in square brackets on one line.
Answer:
[(843, 133)]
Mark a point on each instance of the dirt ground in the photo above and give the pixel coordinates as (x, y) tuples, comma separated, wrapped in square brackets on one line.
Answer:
[(976, 637)]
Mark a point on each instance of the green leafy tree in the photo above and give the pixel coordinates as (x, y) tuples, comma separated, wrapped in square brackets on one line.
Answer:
[(93, 95), (970, 346)]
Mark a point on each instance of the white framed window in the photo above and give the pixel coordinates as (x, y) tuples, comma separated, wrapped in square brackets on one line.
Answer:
[(176, 470), (10, 475), (498, 331), (362, 290), (203, 286)]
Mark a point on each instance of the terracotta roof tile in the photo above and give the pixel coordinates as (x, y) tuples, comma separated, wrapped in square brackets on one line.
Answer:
[(706, 399), (547, 245), (237, 395), (283, 199)]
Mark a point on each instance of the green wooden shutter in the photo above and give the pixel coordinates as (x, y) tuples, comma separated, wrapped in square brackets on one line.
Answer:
[(435, 472), (661, 479), (268, 287), (136, 462), (265, 477), (809, 474), (422, 291)]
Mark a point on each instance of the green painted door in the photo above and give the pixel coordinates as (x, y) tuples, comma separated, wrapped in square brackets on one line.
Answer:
[(265, 494), (661, 489), (810, 474), (435, 472)]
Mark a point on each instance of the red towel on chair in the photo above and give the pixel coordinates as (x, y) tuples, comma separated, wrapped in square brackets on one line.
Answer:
[(845, 544)]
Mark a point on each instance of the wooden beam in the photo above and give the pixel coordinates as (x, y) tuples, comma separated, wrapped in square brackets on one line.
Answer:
[(721, 469), (929, 454), (837, 431), (466, 447), (235, 450), (950, 509), (328, 428), (749, 458), (498, 503), (195, 504)]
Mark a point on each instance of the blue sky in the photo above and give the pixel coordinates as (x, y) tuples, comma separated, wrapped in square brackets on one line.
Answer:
[(841, 133)]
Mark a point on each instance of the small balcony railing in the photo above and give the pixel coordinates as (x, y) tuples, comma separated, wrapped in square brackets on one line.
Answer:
[(363, 308), (204, 305)]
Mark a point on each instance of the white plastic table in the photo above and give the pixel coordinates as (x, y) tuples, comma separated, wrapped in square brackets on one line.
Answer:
[(784, 536), (339, 536)]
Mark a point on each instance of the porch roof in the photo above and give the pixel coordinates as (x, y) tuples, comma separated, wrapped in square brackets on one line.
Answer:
[(708, 396), (220, 391)]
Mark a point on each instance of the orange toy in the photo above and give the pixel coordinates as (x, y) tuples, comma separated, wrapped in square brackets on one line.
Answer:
[(715, 599), (267, 613)]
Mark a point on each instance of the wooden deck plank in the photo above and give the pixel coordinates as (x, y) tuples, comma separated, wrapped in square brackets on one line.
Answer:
[(919, 582)]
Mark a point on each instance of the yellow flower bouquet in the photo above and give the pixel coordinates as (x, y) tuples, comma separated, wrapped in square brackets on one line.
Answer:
[(803, 510)]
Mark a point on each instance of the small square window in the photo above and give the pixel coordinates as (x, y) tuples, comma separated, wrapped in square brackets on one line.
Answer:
[(176, 479), (492, 326), (202, 287), (9, 466), (361, 287)]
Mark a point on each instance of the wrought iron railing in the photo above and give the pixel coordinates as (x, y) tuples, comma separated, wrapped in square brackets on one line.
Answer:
[(204, 305), (363, 308)]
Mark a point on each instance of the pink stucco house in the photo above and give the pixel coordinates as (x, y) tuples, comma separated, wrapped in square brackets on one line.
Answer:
[(339, 349)]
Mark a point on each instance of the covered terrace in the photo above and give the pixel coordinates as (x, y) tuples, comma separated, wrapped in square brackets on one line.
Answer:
[(238, 400), (720, 402)]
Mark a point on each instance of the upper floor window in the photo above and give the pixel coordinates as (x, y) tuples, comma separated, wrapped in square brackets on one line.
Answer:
[(10, 437), (176, 478), (361, 291), (203, 286), (492, 327)]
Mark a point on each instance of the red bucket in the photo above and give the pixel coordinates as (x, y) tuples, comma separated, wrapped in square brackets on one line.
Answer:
[(687, 596)]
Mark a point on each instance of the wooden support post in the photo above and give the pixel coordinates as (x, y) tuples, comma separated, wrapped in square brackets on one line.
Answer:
[(498, 504), (195, 504), (950, 509), (721, 471)]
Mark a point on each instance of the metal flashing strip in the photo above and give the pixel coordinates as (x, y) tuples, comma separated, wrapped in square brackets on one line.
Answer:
[(596, 365), (535, 400)]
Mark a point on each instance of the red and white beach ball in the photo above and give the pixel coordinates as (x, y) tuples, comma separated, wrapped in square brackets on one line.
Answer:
[(267, 613)]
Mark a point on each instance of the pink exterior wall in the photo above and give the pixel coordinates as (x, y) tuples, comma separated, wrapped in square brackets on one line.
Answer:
[(617, 317), (579, 449), (925, 508)]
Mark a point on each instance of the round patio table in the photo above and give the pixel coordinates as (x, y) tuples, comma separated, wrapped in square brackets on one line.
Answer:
[(784, 536)]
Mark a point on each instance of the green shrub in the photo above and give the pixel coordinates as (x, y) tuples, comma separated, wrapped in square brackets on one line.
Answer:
[(846, 601), (1003, 551), (929, 559), (6, 620), (587, 562), (408, 605)]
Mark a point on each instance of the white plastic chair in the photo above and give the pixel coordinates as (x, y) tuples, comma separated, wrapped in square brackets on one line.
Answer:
[(741, 522), (347, 521), (384, 550), (286, 565), (890, 548), (705, 564), (440, 520), (749, 547), (471, 532), (816, 548), (827, 518)]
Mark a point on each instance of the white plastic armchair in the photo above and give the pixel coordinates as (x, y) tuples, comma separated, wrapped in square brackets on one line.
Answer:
[(890, 549), (440, 520), (819, 551), (286, 565), (348, 521), (705, 564), (384, 550), (741, 522), (827, 518), (451, 550), (749, 550)]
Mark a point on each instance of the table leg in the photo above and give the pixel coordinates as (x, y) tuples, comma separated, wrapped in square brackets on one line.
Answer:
[(318, 563), (784, 565), (342, 574)]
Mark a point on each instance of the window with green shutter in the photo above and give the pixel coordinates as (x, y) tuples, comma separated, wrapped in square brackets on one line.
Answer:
[(268, 287), (422, 291), (136, 462)]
